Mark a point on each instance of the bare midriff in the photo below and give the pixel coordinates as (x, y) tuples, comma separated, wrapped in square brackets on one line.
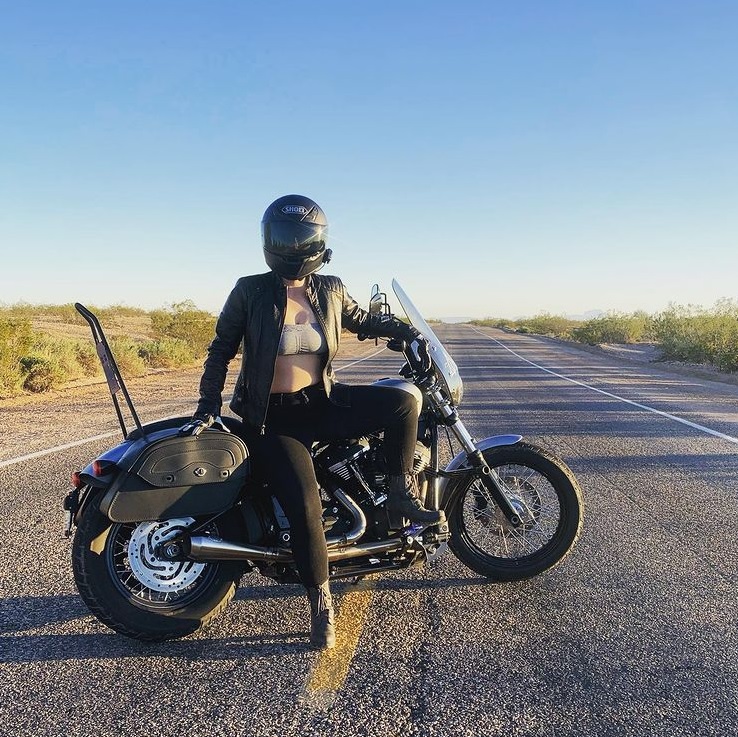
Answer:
[(292, 373)]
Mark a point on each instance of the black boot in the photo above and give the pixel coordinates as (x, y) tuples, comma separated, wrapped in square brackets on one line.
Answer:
[(322, 620), (403, 503)]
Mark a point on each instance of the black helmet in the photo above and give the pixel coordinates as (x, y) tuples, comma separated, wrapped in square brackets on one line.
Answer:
[(293, 232)]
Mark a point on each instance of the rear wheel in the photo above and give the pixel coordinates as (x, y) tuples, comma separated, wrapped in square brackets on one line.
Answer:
[(549, 499), (131, 589)]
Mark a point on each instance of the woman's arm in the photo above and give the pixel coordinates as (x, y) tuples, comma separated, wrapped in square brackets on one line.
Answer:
[(357, 320), (229, 332)]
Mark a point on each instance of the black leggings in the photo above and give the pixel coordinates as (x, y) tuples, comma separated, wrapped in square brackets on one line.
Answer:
[(282, 456)]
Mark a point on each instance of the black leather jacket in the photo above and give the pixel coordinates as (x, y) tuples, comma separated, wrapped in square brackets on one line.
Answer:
[(253, 315)]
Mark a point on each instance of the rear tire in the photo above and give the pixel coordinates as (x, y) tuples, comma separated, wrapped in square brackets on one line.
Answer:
[(128, 599), (483, 539)]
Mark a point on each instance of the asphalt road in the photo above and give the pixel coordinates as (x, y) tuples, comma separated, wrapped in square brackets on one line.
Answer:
[(634, 634)]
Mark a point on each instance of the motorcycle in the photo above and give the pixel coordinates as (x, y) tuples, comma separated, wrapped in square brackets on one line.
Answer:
[(167, 523)]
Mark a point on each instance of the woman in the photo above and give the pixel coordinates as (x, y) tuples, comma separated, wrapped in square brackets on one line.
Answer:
[(289, 321)]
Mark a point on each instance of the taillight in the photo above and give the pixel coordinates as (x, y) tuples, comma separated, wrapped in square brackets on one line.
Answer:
[(97, 468), (77, 482)]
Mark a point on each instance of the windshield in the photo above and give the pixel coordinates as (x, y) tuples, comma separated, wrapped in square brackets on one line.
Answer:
[(444, 364)]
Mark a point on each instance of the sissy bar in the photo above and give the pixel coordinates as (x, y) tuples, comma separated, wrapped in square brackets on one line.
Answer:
[(110, 369)]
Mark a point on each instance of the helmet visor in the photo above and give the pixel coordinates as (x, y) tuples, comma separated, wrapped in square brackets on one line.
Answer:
[(287, 237), (294, 267)]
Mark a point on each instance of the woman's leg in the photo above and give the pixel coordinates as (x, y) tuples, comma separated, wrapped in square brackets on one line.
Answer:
[(285, 463), (374, 408), (379, 407)]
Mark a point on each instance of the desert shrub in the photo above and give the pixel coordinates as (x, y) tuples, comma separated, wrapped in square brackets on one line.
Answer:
[(166, 353), (87, 359), (615, 327), (494, 322), (547, 324), (17, 312), (15, 340), (49, 361), (127, 356), (185, 322), (40, 361), (678, 334), (543, 324), (41, 373), (65, 312), (26, 311), (62, 353), (696, 335), (114, 311)]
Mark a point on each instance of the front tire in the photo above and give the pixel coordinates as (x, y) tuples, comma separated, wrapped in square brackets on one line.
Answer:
[(138, 595), (541, 484)]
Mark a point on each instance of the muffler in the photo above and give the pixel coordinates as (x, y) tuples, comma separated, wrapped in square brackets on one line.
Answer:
[(204, 549)]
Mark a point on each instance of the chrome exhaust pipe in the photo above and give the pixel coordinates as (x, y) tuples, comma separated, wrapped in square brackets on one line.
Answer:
[(359, 528), (356, 551), (340, 547), (205, 549)]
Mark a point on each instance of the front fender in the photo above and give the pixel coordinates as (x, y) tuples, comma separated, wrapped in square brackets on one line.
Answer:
[(459, 460)]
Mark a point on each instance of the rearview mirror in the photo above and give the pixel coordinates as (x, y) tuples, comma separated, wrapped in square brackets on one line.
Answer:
[(378, 302)]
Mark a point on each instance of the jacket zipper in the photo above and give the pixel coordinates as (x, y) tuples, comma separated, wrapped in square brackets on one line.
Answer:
[(313, 299), (276, 355)]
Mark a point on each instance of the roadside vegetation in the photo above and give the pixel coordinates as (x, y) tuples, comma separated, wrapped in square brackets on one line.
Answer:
[(689, 333), (43, 347)]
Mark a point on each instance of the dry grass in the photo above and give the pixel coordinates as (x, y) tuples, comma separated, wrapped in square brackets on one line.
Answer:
[(43, 347), (47, 347), (683, 333)]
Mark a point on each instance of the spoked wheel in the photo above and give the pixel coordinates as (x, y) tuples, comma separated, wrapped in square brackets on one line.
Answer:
[(548, 499), (143, 576), (128, 586)]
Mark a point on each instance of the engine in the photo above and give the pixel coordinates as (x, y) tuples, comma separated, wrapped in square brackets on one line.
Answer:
[(358, 468)]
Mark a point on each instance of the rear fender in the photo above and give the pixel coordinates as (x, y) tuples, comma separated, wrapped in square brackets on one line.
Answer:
[(101, 472)]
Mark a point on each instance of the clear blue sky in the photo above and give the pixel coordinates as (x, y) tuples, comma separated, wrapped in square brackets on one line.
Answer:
[(498, 158)]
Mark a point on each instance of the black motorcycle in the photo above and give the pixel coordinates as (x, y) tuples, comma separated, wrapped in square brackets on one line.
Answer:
[(168, 523)]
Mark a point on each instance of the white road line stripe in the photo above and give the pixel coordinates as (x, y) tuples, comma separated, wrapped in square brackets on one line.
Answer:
[(102, 436), (349, 365), (645, 407), (66, 446)]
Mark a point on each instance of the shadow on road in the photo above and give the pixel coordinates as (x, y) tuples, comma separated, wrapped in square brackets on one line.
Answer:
[(20, 614), (56, 648)]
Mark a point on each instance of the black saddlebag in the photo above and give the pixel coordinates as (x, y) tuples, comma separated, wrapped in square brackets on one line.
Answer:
[(167, 475)]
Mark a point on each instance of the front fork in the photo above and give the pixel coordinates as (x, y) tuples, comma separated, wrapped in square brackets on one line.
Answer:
[(515, 515)]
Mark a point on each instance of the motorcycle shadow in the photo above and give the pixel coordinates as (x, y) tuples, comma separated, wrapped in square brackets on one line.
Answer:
[(23, 648), (61, 628), (20, 616), (378, 581)]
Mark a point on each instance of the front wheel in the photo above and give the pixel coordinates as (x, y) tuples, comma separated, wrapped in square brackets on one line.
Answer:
[(547, 493), (133, 591)]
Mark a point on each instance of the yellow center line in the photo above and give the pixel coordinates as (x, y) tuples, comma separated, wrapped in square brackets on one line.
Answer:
[(330, 670)]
